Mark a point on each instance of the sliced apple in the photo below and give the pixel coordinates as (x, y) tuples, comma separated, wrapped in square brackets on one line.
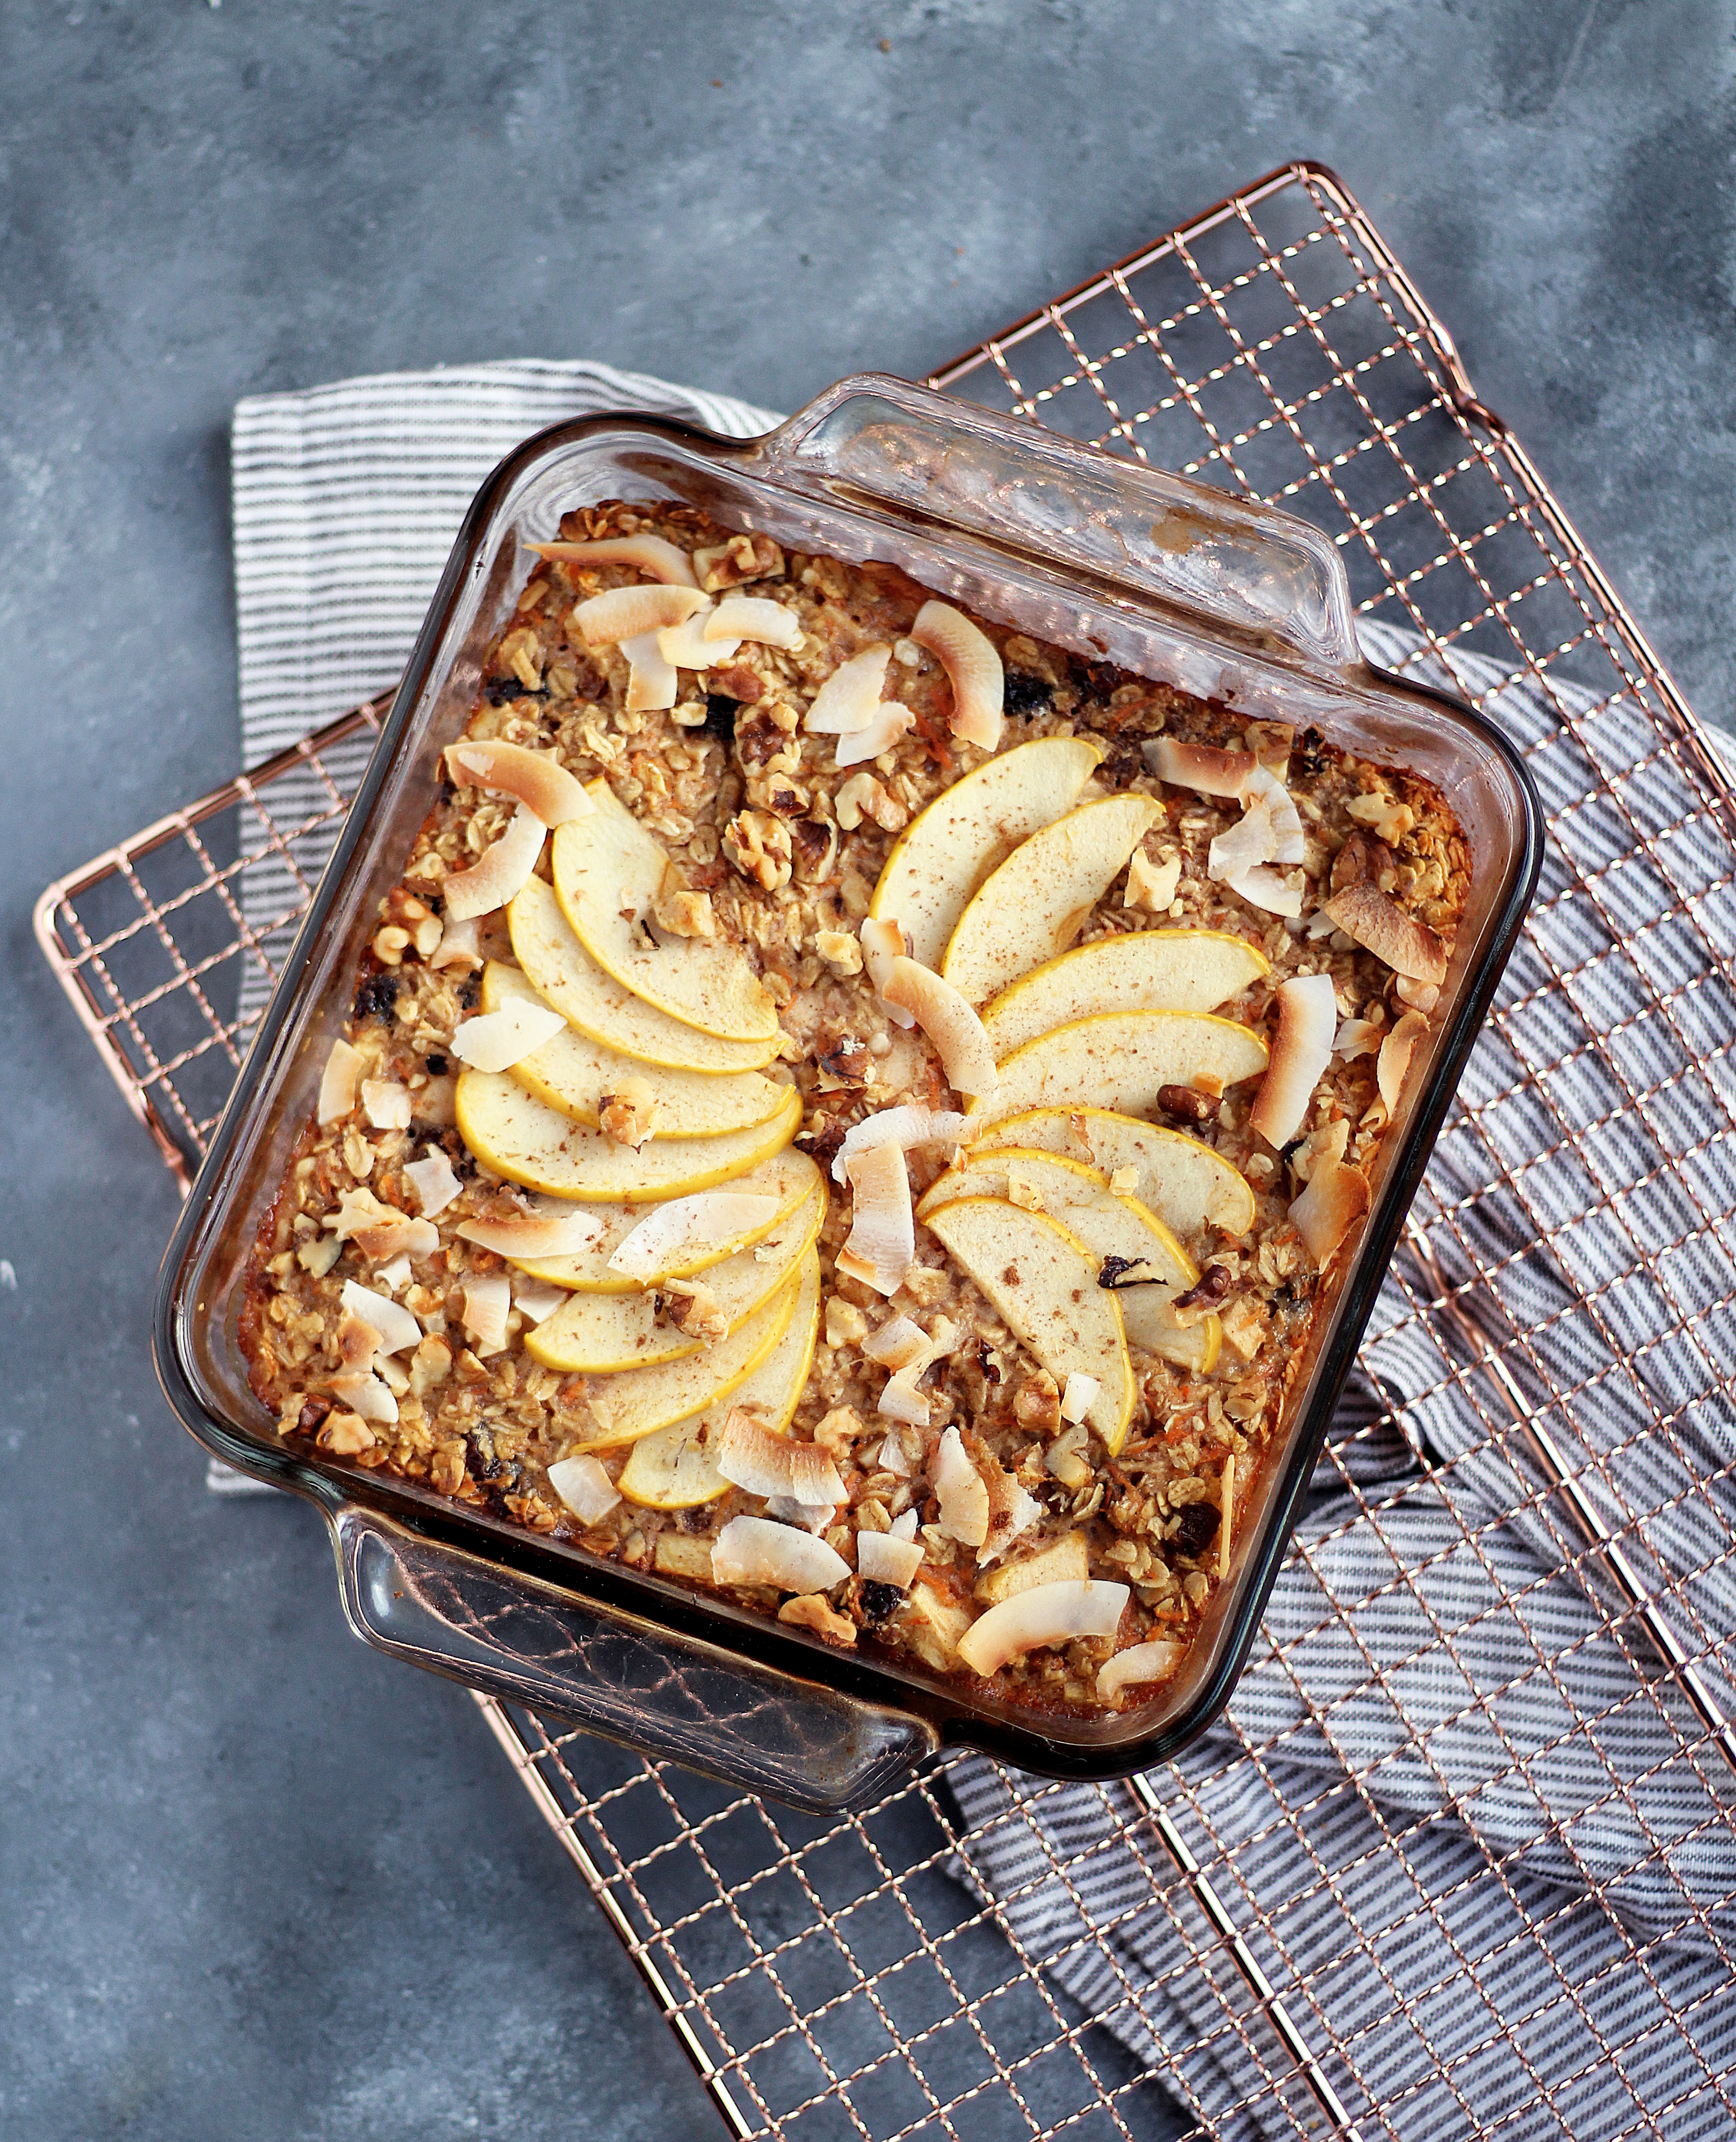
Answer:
[(1151, 971), (1188, 1186), (564, 974), (947, 851), (1043, 1281), (609, 870), (574, 1074), (672, 1469), (603, 1334), (1030, 909), (785, 1179), (640, 1401), (1122, 1059), (1118, 1231), (511, 1132)]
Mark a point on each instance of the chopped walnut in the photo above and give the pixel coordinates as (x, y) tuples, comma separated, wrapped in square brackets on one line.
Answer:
[(863, 796), (841, 951), (809, 1611), (813, 849), (680, 912), (694, 1309), (1151, 885), (742, 558), (1391, 819), (846, 1326), (758, 845), (345, 1433), (629, 1114), (430, 1365), (1037, 1404)]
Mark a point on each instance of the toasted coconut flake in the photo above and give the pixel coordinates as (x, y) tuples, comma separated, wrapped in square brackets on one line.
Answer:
[(1395, 1056), (669, 1231), (883, 1558), (534, 777), (501, 872), (755, 617), (544, 1231), (460, 944), (1269, 829), (649, 554), (760, 1462), (395, 1274), (364, 1393), (944, 1016), (337, 1082), (1155, 1660), (535, 1298), (1307, 1023), (381, 1230), (686, 645), (961, 1490), (1264, 888), (1079, 1396), (1201, 766), (883, 942), (585, 1486), (761, 1550), (487, 1302), (358, 1341), (498, 1039), (882, 1241), (1045, 1614), (1336, 1198), (901, 1399), (907, 1127), (396, 1330), (1381, 926), (850, 698), (1357, 1037), (627, 613), (890, 721), (433, 1179), (652, 682), (973, 665), (386, 1105), (891, 1457), (898, 1343)]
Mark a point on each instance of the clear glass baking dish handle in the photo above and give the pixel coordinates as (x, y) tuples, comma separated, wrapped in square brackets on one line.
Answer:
[(1259, 574), (650, 1688)]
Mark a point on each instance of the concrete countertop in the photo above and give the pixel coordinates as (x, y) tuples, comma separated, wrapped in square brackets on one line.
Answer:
[(255, 1879)]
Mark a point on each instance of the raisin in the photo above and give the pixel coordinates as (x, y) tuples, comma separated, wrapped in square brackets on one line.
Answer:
[(437, 1066), (880, 1601), (500, 689), (484, 1465), (987, 1363), (1025, 693), (1195, 1529), (470, 993), (720, 717), (1212, 1286), (1127, 1271), (312, 1417), (1307, 754), (378, 995)]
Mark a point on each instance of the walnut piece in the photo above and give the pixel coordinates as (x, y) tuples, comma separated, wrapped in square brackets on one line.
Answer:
[(809, 1611), (629, 1114), (758, 845)]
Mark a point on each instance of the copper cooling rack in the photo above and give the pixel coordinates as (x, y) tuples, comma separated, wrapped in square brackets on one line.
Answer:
[(832, 1976)]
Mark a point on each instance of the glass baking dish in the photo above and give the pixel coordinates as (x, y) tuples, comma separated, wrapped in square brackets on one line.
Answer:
[(1115, 562)]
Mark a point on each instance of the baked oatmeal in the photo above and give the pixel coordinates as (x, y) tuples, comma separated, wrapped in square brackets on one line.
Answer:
[(856, 1109)]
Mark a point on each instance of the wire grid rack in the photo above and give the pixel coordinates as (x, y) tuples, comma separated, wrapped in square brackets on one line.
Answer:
[(831, 1976)]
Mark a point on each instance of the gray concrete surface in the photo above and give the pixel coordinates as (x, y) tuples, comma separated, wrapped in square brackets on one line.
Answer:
[(255, 1880)]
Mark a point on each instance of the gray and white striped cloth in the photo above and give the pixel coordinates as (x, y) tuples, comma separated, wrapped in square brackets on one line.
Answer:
[(1439, 1656)]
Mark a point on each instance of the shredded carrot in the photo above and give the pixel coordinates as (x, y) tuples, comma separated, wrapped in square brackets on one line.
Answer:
[(941, 754)]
